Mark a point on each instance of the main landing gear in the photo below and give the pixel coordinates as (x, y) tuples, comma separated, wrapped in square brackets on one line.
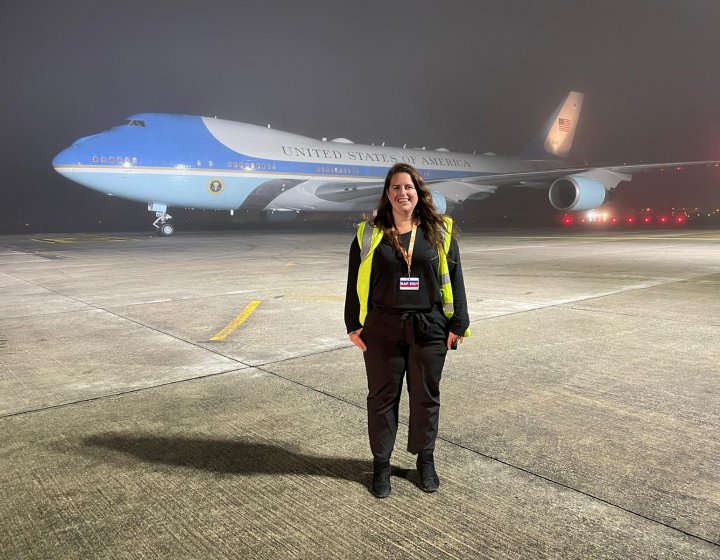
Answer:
[(163, 225)]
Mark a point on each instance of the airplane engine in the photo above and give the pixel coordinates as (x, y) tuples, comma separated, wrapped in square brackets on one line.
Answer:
[(577, 192), (440, 202)]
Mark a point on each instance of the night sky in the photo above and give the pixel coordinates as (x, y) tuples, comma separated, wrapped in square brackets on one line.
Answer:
[(474, 75)]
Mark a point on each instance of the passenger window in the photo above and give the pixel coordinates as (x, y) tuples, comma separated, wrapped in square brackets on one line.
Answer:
[(95, 159)]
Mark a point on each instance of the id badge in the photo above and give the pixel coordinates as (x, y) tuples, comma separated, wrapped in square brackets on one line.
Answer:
[(409, 283)]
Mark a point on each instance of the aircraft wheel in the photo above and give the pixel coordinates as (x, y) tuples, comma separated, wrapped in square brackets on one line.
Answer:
[(166, 230)]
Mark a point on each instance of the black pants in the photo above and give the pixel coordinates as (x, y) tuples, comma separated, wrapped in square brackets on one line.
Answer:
[(400, 343)]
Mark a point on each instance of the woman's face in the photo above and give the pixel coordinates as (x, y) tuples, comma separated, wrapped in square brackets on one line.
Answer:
[(402, 193)]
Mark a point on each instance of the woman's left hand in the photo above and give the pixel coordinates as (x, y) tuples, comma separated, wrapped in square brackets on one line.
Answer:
[(452, 339)]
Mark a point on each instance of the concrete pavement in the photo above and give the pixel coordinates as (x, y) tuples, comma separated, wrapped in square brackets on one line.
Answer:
[(580, 421)]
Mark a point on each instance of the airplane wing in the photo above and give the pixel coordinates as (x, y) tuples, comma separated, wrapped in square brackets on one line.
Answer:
[(549, 175), (569, 188), (481, 186)]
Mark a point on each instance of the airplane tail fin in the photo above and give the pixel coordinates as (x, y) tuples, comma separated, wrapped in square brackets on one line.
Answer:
[(556, 137)]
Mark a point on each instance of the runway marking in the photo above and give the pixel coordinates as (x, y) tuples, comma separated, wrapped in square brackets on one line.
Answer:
[(289, 265), (237, 321), (316, 298), (185, 298), (90, 239)]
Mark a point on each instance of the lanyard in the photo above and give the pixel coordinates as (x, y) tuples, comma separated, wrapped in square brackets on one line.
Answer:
[(407, 255)]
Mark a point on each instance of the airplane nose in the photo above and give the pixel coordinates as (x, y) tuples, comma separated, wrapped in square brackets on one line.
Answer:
[(63, 158), (72, 154), (60, 158)]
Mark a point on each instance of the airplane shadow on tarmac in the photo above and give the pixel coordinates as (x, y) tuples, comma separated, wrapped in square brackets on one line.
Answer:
[(233, 456)]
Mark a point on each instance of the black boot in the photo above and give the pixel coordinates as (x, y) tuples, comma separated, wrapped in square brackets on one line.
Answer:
[(429, 480), (381, 479)]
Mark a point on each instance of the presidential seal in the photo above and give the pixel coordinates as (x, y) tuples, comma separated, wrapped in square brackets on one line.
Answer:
[(215, 186)]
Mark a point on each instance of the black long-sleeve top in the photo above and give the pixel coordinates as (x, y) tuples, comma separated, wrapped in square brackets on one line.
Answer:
[(387, 268)]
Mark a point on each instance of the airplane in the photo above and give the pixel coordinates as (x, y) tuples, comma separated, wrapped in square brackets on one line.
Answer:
[(199, 162)]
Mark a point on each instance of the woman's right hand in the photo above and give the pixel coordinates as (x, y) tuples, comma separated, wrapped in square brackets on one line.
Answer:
[(356, 339)]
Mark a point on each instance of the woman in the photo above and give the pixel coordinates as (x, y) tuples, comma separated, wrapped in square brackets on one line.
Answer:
[(405, 307)]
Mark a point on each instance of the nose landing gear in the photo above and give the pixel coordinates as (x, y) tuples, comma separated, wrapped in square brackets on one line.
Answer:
[(163, 225)]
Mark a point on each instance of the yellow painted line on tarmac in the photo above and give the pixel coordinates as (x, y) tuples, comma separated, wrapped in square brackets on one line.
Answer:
[(289, 265), (237, 321)]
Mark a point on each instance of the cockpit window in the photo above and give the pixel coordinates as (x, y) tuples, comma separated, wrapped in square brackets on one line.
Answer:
[(135, 122)]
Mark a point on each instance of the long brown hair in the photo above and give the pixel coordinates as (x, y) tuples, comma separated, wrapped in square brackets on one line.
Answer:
[(424, 212)]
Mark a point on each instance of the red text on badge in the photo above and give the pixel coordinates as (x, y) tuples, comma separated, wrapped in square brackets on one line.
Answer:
[(409, 283)]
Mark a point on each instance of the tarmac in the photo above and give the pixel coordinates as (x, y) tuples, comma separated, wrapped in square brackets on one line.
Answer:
[(197, 397)]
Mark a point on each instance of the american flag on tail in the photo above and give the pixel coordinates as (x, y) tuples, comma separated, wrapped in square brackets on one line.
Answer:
[(565, 125)]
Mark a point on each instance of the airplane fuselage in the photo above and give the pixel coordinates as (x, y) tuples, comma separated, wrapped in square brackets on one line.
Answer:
[(201, 162)]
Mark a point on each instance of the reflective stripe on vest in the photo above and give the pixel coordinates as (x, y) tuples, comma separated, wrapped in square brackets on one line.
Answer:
[(364, 239), (369, 237), (444, 269)]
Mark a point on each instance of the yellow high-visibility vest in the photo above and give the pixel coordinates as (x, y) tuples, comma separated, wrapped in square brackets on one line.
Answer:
[(369, 238)]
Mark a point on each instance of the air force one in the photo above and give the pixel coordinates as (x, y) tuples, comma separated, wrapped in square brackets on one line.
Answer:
[(208, 163)]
